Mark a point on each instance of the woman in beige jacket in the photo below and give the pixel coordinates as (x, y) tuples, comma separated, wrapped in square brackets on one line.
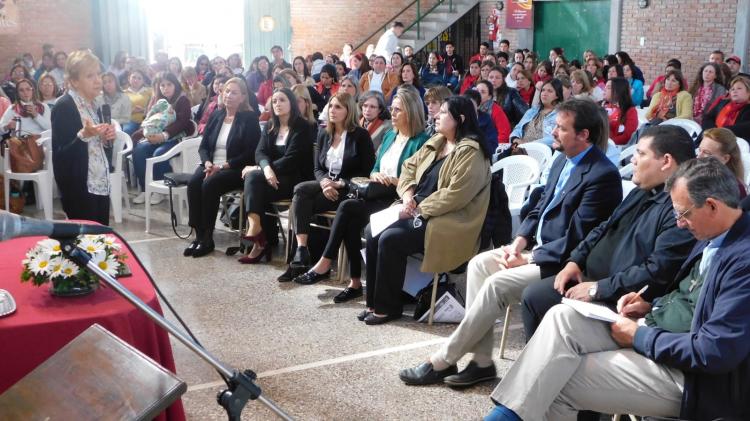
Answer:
[(445, 191)]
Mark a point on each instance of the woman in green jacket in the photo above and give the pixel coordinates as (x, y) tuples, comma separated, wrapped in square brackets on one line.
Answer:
[(352, 215)]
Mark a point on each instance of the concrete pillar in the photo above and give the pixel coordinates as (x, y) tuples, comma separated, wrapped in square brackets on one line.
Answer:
[(742, 33), (615, 25)]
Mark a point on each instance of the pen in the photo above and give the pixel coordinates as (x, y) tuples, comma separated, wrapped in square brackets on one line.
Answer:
[(637, 294)]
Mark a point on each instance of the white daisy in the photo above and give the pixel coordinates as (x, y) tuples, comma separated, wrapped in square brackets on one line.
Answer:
[(106, 263), (40, 264), (50, 245), (90, 244), (55, 266), (68, 268), (111, 241)]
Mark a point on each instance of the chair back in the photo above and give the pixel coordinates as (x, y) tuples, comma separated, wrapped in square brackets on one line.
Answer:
[(626, 154), (187, 155), (743, 145), (519, 172), (122, 146), (694, 129), (539, 151)]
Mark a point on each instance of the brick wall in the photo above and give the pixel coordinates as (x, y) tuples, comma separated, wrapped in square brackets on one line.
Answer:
[(66, 24), (686, 29)]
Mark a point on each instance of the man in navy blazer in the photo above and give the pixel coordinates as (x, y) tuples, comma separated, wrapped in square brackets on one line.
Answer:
[(583, 189), (652, 363)]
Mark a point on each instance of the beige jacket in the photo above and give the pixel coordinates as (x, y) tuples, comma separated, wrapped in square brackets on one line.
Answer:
[(390, 82), (456, 211)]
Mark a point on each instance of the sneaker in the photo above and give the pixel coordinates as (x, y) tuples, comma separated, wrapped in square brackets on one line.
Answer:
[(471, 375), (156, 198), (140, 199)]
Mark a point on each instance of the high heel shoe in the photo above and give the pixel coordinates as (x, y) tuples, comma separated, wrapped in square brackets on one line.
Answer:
[(260, 241)]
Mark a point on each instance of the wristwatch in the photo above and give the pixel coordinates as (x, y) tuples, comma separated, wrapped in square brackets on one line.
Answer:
[(592, 291)]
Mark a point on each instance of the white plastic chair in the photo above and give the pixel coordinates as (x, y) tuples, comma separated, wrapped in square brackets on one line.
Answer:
[(519, 172), (627, 187), (187, 150), (626, 172), (539, 151), (118, 189), (694, 129), (626, 154), (42, 178), (743, 145), (642, 116), (746, 167)]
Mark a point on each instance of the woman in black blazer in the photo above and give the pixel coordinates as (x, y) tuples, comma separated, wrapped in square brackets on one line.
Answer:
[(78, 141), (228, 145), (284, 158), (343, 151)]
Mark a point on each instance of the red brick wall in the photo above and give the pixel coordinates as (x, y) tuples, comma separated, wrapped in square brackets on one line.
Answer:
[(685, 29), (66, 24)]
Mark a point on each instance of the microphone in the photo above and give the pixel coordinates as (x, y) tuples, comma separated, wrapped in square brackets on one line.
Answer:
[(13, 226), (106, 114)]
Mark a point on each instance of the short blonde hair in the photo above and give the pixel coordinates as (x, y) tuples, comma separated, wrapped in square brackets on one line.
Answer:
[(78, 61), (244, 105), (581, 77), (300, 91), (352, 113), (412, 103)]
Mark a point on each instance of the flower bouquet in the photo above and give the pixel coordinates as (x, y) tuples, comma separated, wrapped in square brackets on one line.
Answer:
[(45, 263)]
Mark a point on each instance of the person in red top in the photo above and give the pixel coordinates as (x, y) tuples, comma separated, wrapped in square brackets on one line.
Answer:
[(542, 74), (328, 85), (623, 117), (472, 78), (732, 112), (489, 106), (524, 86), (484, 50), (658, 83)]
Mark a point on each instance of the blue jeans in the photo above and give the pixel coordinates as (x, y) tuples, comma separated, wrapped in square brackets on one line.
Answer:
[(130, 127), (145, 150)]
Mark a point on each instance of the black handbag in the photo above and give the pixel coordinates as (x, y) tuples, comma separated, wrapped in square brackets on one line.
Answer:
[(175, 179), (424, 296), (366, 189)]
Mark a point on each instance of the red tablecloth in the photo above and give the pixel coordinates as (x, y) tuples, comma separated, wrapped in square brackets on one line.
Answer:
[(42, 323)]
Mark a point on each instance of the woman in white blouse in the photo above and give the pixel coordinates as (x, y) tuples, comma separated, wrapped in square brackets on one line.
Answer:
[(34, 115), (352, 215)]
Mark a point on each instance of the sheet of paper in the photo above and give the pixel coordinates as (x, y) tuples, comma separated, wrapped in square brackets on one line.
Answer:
[(447, 310), (591, 310), (415, 279), (383, 219)]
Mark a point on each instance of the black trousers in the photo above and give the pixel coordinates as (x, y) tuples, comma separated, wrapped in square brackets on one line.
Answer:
[(259, 194), (352, 216), (386, 263), (86, 206), (204, 195), (308, 200), (536, 299)]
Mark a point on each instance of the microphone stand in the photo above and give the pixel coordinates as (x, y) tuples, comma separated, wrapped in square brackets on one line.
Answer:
[(241, 385)]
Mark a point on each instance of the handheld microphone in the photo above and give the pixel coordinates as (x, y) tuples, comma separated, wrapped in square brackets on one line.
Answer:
[(106, 114), (13, 226)]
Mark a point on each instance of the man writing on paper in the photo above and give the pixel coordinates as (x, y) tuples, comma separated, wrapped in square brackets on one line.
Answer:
[(582, 190), (667, 363), (640, 244)]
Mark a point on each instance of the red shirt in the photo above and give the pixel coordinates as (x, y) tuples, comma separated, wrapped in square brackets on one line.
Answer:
[(501, 123), (620, 133), (469, 82)]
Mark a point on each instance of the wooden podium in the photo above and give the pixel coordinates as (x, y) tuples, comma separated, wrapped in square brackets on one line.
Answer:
[(96, 376)]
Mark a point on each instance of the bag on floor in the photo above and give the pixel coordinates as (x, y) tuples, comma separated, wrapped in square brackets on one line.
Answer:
[(424, 296)]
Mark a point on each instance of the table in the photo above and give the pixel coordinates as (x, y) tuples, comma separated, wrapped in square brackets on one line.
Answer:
[(42, 323)]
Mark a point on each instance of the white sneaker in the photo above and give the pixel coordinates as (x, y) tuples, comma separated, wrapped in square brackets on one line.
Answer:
[(140, 199), (156, 198)]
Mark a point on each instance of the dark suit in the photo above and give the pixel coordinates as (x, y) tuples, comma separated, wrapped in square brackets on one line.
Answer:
[(358, 160), (204, 193), (649, 251), (589, 196), (70, 160)]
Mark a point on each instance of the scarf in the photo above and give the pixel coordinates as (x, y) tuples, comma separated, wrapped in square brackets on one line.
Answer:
[(702, 97), (21, 109), (486, 107), (729, 113), (371, 126), (667, 100)]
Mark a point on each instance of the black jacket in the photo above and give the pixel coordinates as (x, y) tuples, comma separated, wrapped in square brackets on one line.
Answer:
[(456, 61), (651, 252), (297, 160), (741, 127), (70, 157), (359, 155), (592, 192), (241, 143)]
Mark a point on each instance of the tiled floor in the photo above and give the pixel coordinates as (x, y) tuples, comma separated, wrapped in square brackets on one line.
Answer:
[(314, 358)]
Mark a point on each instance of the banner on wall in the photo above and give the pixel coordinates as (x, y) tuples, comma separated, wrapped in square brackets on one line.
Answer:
[(519, 14), (9, 21)]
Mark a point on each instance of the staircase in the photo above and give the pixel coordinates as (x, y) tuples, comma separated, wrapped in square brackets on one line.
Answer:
[(434, 22)]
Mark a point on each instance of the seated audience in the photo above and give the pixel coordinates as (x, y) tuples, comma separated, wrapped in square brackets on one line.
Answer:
[(58, 72), (433, 99), (721, 144), (35, 116), (706, 89), (471, 78), (375, 116), (484, 122), (378, 79), (194, 89), (341, 69), (581, 85), (444, 186), (624, 59), (284, 160), (227, 147), (202, 66), (510, 79), (119, 103), (303, 72), (453, 65), (636, 85), (684, 355), (489, 106), (304, 103), (508, 98), (352, 215), (139, 94), (78, 140), (344, 150), (359, 66), (408, 75), (582, 191), (48, 90), (17, 73), (484, 69), (732, 112), (348, 85), (623, 117), (735, 65), (658, 83), (434, 73), (397, 60), (328, 85), (48, 63), (234, 63), (263, 73), (542, 74), (151, 145), (211, 103), (175, 67), (673, 101), (525, 87), (529, 63), (538, 122)]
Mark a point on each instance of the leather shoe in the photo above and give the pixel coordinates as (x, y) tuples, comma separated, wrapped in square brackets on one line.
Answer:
[(203, 248), (190, 249), (348, 294), (363, 315), (425, 374), (289, 274), (311, 277), (372, 319), (471, 375), (301, 259)]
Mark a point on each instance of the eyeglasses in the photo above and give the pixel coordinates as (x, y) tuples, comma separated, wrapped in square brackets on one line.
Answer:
[(678, 216)]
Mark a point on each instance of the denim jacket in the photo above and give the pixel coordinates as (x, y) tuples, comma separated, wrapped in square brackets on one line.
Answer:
[(549, 125)]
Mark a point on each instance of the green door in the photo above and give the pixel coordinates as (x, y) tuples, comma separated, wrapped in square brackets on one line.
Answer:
[(574, 25)]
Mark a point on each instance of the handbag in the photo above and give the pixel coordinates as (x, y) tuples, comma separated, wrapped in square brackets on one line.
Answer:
[(366, 189), (424, 296), (26, 156)]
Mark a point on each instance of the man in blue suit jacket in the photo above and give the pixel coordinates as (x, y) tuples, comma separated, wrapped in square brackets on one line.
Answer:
[(582, 190), (655, 361)]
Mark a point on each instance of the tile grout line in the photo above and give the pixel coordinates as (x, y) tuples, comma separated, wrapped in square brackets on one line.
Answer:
[(150, 240)]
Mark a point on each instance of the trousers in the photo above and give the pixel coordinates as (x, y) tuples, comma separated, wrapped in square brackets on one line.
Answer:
[(204, 195)]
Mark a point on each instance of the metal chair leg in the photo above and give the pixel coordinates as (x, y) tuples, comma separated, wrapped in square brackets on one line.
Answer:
[(434, 298)]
